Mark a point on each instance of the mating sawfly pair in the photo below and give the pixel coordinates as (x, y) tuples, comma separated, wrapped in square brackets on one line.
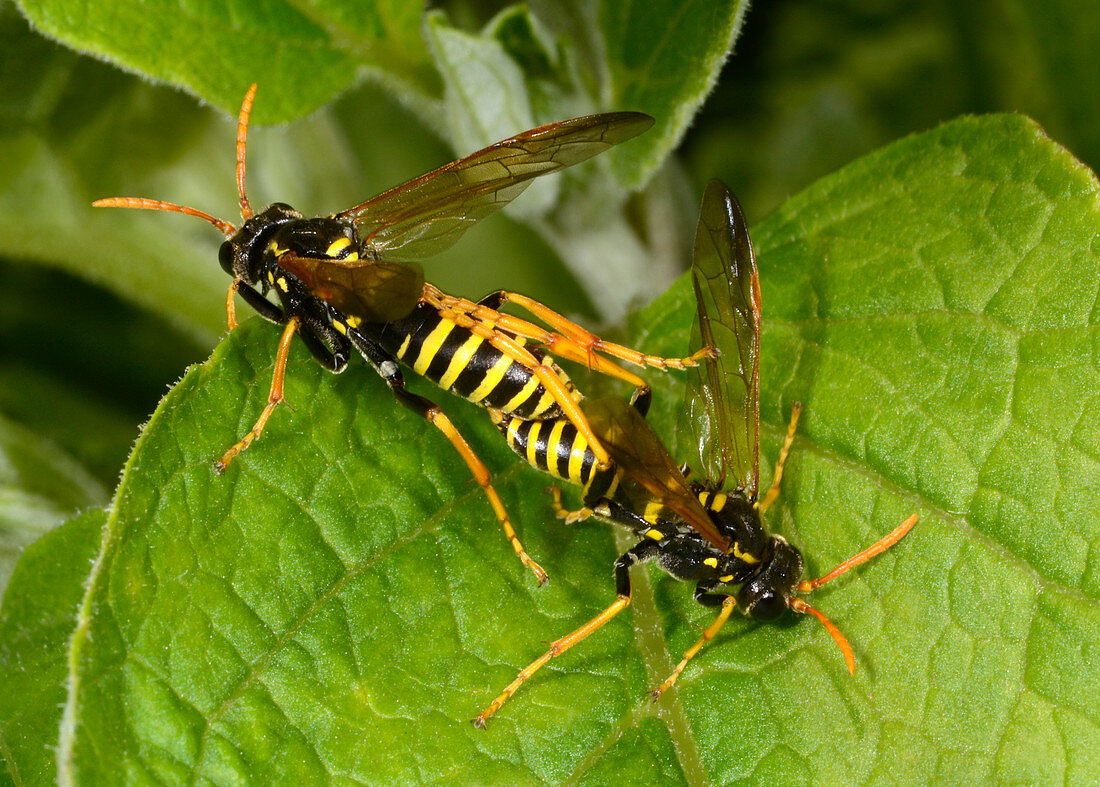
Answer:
[(346, 283)]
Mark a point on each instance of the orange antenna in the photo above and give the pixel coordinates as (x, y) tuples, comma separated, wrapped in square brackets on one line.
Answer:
[(226, 228), (875, 549), (242, 138), (807, 586), (798, 605)]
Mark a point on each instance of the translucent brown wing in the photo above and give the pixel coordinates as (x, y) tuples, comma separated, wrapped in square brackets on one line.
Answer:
[(722, 406), (378, 291), (428, 214), (636, 449)]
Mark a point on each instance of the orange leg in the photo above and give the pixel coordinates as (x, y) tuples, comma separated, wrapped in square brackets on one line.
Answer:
[(561, 512), (558, 344), (773, 490), (809, 585), (589, 343), (231, 305), (273, 398), (242, 142), (708, 634), (638, 553), (557, 647), (481, 474), (880, 546), (571, 341)]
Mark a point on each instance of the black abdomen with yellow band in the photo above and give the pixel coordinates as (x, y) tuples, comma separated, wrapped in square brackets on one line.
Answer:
[(468, 365), (555, 446)]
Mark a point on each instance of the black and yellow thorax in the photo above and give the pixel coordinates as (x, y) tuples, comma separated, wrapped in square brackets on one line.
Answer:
[(266, 251)]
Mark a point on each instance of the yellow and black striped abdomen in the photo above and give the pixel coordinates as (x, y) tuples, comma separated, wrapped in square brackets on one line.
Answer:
[(556, 447), (466, 364)]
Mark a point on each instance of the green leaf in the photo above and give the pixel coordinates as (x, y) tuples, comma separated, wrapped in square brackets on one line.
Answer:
[(133, 139), (615, 56), (665, 69), (516, 68), (486, 98), (933, 307), (513, 70), (342, 601), (568, 61), (610, 56), (36, 623), (56, 167), (484, 87), (229, 539), (304, 55)]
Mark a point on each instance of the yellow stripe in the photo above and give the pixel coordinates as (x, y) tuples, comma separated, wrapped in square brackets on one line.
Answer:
[(653, 512), (552, 447), (512, 433), (523, 395), (404, 348), (747, 557), (614, 486), (431, 345), (576, 459), (491, 379), (545, 403), (459, 361), (532, 438), (337, 246)]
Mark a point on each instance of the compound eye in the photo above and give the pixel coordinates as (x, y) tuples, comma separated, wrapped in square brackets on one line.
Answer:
[(769, 605), (226, 255)]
